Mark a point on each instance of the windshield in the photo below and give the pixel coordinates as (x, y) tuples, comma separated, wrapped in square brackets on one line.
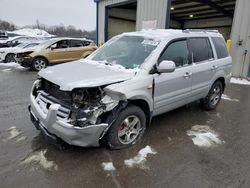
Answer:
[(21, 45), (128, 51), (48, 42), (31, 45)]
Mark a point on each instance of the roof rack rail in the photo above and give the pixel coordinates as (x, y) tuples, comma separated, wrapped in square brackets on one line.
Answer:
[(200, 30)]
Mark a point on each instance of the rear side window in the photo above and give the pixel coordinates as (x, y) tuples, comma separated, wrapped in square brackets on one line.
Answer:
[(76, 43), (86, 43), (176, 52), (220, 47), (200, 49)]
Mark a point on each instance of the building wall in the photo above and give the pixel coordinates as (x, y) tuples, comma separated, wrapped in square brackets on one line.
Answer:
[(223, 25), (241, 32), (147, 10), (101, 24), (120, 21)]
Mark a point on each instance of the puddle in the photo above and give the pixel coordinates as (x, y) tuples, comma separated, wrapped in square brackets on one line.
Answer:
[(39, 158), (204, 136), (140, 159), (225, 97), (109, 166)]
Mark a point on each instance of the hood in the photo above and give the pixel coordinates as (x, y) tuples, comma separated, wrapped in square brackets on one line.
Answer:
[(85, 73), (23, 50)]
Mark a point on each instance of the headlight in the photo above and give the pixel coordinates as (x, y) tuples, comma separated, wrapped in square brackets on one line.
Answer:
[(1, 52), (87, 96)]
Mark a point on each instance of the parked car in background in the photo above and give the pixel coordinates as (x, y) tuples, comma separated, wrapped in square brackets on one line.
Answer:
[(111, 96), (14, 41), (57, 50), (8, 54), (3, 35)]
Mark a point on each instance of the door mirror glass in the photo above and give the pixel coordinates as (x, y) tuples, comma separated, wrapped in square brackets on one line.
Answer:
[(166, 67)]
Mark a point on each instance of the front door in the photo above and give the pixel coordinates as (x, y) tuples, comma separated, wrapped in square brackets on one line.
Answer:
[(173, 90), (58, 52)]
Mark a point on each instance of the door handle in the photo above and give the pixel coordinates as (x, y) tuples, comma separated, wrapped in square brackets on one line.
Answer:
[(214, 67), (187, 74)]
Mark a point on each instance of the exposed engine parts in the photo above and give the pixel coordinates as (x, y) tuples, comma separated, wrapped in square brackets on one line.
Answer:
[(89, 104)]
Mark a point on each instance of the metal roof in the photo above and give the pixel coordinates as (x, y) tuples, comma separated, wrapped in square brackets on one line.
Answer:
[(187, 10)]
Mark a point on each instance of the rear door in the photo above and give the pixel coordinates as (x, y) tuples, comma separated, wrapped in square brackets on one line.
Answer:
[(203, 61), (173, 89), (76, 49)]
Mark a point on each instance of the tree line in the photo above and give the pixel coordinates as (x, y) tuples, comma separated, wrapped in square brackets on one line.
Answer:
[(58, 30)]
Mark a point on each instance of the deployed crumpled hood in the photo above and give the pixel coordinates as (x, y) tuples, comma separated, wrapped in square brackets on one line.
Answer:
[(85, 73)]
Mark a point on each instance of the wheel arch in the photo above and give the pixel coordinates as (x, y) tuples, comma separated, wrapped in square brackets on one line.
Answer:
[(144, 106)]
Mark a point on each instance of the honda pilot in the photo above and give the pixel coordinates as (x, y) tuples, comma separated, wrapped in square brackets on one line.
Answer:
[(111, 96)]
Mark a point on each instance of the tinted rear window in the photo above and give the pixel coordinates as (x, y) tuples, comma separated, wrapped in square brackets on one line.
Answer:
[(220, 47), (200, 49)]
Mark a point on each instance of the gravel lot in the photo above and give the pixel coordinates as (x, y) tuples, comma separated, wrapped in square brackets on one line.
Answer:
[(188, 147)]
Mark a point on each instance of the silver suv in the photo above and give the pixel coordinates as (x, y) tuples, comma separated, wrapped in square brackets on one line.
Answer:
[(111, 97)]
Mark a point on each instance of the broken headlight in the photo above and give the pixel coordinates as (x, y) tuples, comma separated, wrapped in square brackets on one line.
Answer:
[(88, 105)]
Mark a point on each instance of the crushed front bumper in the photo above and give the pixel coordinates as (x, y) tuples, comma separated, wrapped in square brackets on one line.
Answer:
[(24, 61), (55, 128)]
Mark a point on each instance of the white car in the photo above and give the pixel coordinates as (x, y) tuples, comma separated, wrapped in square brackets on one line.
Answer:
[(8, 54)]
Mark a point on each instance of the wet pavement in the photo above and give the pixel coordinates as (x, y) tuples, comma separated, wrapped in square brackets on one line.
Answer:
[(26, 160)]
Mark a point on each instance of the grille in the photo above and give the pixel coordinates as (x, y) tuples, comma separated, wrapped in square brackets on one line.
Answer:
[(44, 101), (54, 90)]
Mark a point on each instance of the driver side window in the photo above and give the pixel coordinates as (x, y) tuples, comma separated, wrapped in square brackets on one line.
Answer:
[(61, 44), (177, 52)]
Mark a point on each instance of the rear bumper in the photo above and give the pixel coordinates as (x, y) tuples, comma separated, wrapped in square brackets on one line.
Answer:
[(57, 128)]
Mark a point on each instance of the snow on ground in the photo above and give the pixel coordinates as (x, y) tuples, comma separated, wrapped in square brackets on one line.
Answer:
[(239, 81), (204, 136), (11, 65), (140, 159), (39, 158), (22, 138), (6, 70), (31, 32), (108, 166), (225, 97), (14, 132)]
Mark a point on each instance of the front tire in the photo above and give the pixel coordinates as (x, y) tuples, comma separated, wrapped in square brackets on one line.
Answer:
[(39, 63), (127, 129), (213, 98)]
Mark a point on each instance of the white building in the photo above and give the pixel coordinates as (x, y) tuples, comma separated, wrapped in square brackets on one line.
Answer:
[(230, 17)]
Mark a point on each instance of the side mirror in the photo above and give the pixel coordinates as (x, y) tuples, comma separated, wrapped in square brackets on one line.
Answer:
[(166, 67)]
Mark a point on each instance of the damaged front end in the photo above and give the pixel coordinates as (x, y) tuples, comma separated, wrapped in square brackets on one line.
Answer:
[(79, 117)]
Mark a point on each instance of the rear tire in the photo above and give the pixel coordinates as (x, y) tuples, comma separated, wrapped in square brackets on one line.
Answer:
[(127, 129), (39, 63), (213, 98), (9, 58)]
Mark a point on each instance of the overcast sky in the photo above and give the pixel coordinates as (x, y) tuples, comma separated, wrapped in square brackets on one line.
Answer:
[(79, 13)]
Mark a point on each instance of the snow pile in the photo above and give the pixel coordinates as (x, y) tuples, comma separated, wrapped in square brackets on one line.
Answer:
[(240, 81), (225, 97), (108, 166), (32, 32), (12, 65), (15, 133), (140, 159), (203, 136), (39, 157)]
